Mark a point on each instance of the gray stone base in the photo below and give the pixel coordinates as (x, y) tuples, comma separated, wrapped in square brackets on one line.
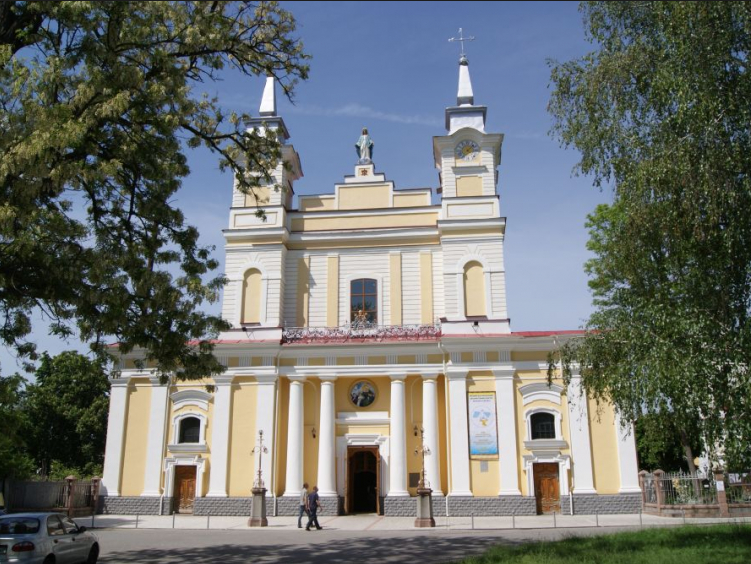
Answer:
[(226, 506), (491, 506), (133, 505), (589, 504)]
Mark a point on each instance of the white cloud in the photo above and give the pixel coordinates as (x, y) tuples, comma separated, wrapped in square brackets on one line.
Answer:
[(357, 110)]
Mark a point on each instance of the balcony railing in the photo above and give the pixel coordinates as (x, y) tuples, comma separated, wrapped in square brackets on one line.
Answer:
[(361, 332)]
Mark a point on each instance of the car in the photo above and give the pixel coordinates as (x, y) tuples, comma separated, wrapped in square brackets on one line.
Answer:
[(45, 538)]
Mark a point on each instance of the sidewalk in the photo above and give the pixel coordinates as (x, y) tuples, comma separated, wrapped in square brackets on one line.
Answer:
[(371, 522)]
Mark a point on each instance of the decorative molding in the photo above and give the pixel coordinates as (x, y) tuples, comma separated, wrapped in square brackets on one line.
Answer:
[(541, 391), (360, 334), (187, 447)]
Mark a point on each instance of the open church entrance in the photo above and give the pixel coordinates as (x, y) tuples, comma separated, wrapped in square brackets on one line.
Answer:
[(363, 480)]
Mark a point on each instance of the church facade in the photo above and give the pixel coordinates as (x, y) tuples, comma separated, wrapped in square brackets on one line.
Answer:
[(370, 340)]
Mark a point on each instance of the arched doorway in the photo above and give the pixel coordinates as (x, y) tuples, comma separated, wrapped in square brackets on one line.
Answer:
[(363, 480)]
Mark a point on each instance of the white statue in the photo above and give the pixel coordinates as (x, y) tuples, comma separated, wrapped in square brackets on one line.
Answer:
[(364, 147)]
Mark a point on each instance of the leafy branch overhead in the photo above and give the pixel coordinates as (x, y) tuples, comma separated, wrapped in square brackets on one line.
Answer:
[(660, 114), (98, 103)]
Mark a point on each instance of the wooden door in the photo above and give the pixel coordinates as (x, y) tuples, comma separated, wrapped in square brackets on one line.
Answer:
[(185, 488), (378, 481), (547, 488), (353, 468)]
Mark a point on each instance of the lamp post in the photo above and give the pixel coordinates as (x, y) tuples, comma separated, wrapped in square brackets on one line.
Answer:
[(258, 505), (424, 498)]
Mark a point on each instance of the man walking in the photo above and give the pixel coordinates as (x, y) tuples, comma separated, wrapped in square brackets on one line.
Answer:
[(303, 504), (313, 505)]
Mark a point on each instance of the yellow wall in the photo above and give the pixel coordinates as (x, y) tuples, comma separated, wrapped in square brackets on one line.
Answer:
[(303, 295), (395, 276), (443, 445), (258, 196), (468, 186), (428, 219), (252, 297), (136, 433), (426, 288), (332, 292), (311, 420), (383, 395), (364, 197), (483, 484), (604, 447), (242, 463), (316, 203), (529, 356), (411, 200), (474, 289)]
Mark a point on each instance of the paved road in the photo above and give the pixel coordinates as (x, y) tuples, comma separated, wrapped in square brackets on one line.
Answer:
[(315, 547)]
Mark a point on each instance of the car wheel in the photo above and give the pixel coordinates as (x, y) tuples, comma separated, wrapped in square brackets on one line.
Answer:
[(49, 560), (93, 554)]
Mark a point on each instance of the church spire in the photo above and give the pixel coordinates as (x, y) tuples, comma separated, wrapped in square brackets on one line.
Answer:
[(268, 102), (464, 96), (465, 113)]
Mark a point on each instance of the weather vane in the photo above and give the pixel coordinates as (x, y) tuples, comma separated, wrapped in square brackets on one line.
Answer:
[(461, 39)]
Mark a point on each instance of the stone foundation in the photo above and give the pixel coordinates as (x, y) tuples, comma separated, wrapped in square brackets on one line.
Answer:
[(226, 506), (122, 505), (491, 506), (589, 504)]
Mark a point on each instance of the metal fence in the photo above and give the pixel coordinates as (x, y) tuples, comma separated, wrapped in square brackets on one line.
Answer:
[(679, 488), (71, 496), (738, 488)]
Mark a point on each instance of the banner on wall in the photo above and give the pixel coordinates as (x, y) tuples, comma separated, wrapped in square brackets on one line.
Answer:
[(483, 429)]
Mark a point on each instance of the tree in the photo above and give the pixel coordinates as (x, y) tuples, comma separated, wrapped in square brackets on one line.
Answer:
[(14, 461), (66, 413), (659, 443), (660, 114), (99, 102)]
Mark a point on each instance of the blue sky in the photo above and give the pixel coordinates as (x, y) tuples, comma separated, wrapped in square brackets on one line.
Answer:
[(389, 66)]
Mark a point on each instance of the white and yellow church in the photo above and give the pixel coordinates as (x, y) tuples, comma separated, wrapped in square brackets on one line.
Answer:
[(370, 325)]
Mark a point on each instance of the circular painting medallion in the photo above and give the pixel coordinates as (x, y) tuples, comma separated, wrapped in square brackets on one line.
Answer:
[(362, 394)]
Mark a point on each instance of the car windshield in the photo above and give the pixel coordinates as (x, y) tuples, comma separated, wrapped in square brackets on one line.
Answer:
[(18, 525)]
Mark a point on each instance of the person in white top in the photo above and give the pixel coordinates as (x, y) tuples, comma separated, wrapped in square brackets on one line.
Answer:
[(303, 504)]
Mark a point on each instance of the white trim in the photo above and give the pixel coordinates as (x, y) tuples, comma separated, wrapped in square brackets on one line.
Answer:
[(627, 461), (398, 435), (381, 319), (177, 419), (506, 421), (581, 447), (554, 412), (458, 431), (220, 437), (155, 440), (363, 418), (362, 439), (541, 391), (169, 471), (193, 397), (113, 457), (563, 461)]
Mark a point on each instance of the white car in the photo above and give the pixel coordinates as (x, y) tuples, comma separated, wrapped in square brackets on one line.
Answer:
[(45, 538)]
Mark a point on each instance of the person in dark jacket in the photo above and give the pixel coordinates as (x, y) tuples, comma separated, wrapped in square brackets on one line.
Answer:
[(313, 505)]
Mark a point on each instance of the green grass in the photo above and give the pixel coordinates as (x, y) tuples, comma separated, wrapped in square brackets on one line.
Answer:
[(718, 544)]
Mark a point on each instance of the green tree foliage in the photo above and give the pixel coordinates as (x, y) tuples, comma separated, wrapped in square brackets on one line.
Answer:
[(13, 458), (98, 102), (66, 412), (660, 443), (660, 113)]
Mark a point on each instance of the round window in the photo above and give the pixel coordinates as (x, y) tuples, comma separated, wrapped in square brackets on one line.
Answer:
[(362, 394)]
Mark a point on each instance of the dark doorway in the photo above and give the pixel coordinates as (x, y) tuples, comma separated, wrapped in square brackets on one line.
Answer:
[(363, 481)]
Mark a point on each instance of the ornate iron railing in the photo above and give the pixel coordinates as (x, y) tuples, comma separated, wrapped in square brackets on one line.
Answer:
[(361, 332), (738, 488), (679, 488)]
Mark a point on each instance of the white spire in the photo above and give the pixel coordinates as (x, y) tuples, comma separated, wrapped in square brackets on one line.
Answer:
[(465, 96), (268, 102)]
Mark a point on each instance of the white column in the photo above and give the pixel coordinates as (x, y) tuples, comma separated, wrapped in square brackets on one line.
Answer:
[(155, 445), (627, 462), (266, 422), (326, 439), (220, 436), (294, 473), (398, 439), (581, 448), (113, 452), (507, 444), (460, 477), (430, 437)]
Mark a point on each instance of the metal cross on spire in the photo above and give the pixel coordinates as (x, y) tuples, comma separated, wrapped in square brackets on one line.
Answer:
[(461, 39)]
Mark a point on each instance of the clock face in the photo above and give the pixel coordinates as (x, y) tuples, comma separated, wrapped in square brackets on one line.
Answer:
[(467, 150)]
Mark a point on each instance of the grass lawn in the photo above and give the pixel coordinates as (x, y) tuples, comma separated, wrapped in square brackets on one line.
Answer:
[(717, 544)]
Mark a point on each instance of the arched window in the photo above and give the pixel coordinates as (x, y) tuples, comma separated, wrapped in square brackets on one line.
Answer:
[(364, 300), (543, 426), (251, 307), (190, 430), (474, 289)]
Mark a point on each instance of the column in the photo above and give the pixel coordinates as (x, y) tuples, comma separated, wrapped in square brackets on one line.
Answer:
[(459, 434), (581, 449), (507, 444), (627, 463), (294, 472), (155, 445), (113, 452), (430, 427), (220, 436), (326, 439), (265, 421), (398, 439)]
